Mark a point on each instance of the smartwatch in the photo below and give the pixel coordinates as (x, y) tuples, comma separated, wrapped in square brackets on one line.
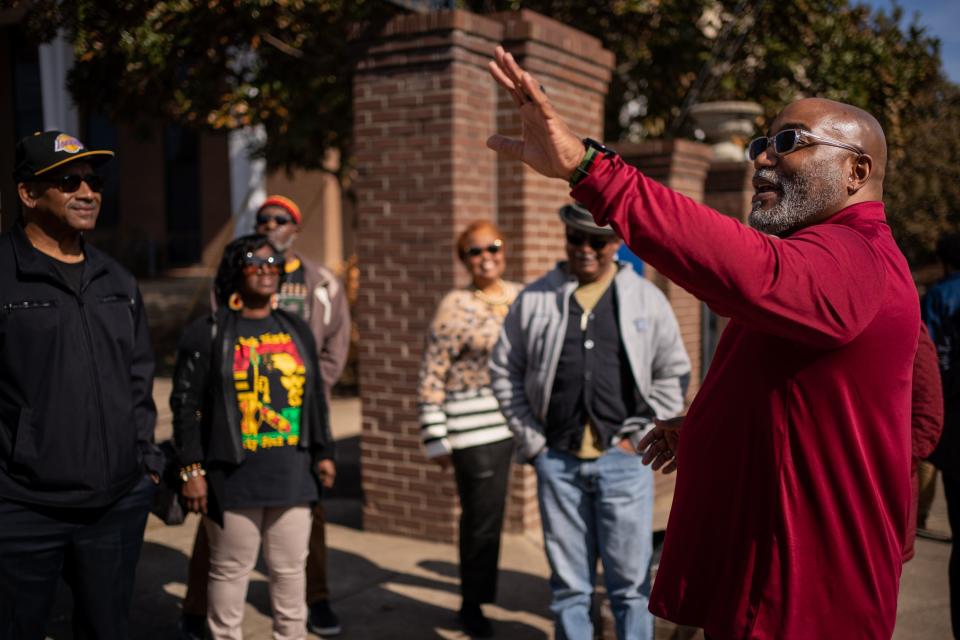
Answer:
[(595, 151)]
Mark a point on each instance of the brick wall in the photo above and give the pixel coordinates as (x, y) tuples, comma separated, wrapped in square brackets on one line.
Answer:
[(424, 105), (575, 71)]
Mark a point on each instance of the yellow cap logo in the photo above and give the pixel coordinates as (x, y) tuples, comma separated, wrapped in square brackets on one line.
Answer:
[(67, 143)]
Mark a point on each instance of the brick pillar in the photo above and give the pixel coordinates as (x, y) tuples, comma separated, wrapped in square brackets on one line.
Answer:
[(729, 189), (575, 72), (681, 165), (424, 105)]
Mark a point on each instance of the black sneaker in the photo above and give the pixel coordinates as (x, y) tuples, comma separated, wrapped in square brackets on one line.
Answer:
[(322, 620), (474, 623), (193, 627)]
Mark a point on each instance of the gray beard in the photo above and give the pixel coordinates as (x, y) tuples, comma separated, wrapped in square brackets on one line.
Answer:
[(804, 195), (281, 247)]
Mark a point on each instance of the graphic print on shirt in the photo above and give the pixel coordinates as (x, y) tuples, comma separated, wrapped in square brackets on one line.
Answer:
[(268, 374), (293, 293)]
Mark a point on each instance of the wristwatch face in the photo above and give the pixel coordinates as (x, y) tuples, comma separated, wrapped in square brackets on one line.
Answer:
[(606, 151)]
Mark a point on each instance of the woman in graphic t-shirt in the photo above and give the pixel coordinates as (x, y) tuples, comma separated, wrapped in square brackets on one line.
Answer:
[(250, 423)]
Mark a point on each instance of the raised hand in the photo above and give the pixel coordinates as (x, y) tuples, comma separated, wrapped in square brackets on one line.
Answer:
[(659, 446), (548, 145)]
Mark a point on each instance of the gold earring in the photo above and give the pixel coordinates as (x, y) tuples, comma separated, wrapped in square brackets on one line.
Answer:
[(235, 302), (274, 301)]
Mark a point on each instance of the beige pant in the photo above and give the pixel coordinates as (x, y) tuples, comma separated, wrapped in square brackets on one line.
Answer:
[(233, 555)]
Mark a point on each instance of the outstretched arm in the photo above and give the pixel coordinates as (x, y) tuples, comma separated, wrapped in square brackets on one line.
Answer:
[(819, 287), (548, 145)]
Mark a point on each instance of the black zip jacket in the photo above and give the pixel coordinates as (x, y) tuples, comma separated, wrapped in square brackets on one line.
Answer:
[(76, 380), (206, 416)]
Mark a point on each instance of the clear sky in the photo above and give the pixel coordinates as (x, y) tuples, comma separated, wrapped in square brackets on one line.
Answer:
[(942, 19)]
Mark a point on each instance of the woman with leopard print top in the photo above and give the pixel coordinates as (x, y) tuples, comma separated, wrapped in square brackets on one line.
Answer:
[(460, 420)]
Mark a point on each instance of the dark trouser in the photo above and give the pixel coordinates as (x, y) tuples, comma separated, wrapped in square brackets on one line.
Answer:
[(951, 491), (96, 550), (195, 602), (482, 474)]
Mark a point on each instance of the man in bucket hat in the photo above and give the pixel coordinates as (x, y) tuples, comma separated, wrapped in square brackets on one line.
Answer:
[(589, 355), (77, 458)]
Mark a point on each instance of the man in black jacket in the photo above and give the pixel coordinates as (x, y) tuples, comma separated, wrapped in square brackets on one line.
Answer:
[(77, 457)]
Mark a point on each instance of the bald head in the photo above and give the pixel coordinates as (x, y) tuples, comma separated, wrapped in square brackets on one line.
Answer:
[(844, 123), (839, 162)]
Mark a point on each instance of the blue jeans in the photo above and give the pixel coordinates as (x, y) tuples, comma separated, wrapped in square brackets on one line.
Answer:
[(597, 507)]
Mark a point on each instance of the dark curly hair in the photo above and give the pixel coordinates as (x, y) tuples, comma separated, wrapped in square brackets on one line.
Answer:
[(230, 271)]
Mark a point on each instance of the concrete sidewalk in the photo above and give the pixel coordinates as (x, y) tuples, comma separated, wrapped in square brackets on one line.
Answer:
[(388, 587)]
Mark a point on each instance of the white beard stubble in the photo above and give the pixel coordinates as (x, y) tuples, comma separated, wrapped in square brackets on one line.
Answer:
[(805, 195)]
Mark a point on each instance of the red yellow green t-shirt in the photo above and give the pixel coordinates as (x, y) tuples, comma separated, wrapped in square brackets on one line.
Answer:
[(269, 377)]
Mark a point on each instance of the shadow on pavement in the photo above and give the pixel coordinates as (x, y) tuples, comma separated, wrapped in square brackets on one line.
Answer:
[(373, 602), (154, 610)]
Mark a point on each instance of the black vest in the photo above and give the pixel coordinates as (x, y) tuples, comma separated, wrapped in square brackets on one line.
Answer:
[(593, 379)]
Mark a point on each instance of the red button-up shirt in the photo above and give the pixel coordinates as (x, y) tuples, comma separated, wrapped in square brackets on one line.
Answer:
[(793, 489)]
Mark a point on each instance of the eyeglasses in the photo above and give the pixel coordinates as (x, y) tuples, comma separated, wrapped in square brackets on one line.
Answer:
[(493, 249), (258, 264), (264, 218), (70, 182), (789, 140), (597, 243)]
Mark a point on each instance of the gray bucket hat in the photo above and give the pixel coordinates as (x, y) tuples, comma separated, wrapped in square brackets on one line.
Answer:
[(577, 217)]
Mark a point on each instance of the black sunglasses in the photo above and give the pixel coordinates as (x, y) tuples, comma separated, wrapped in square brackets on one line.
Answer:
[(264, 218), (492, 249), (596, 243), (253, 263), (789, 140), (70, 183)]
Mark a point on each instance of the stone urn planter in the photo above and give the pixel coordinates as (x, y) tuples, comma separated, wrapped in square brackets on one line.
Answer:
[(728, 125)]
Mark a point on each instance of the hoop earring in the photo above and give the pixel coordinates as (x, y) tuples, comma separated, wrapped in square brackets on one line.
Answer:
[(274, 302), (235, 302)]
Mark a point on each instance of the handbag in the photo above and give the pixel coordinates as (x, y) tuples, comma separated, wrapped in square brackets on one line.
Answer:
[(167, 503)]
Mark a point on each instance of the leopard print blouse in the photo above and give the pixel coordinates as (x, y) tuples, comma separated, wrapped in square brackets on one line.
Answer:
[(454, 369)]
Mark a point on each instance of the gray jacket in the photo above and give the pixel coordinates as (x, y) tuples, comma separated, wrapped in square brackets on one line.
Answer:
[(524, 361)]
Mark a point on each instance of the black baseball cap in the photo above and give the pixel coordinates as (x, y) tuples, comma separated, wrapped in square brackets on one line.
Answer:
[(47, 150)]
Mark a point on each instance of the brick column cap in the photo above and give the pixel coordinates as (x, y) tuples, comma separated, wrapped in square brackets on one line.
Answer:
[(526, 25), (416, 24), (675, 147), (730, 175)]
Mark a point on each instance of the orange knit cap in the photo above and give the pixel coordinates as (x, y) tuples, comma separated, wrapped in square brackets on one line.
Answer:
[(284, 203)]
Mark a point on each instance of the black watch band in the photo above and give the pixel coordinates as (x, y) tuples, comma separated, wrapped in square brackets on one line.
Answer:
[(595, 151)]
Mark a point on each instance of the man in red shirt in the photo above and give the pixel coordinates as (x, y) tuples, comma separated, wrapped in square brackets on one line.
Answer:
[(793, 494)]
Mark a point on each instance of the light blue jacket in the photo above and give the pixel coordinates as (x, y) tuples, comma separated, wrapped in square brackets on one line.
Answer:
[(524, 361)]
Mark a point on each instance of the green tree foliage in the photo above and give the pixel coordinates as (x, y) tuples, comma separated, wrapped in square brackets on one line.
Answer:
[(671, 54), (923, 187), (286, 64), (218, 64)]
